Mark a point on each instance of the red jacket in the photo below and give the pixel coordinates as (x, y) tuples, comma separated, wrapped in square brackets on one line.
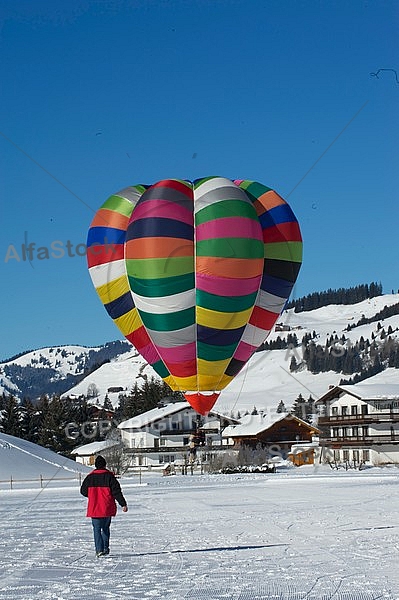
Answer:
[(102, 489)]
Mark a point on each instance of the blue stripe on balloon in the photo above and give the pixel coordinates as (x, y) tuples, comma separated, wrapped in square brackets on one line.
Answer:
[(105, 235), (159, 227), (218, 337), (120, 306), (275, 286), (276, 215)]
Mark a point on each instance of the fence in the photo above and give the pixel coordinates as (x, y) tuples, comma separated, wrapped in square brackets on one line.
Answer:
[(12, 483)]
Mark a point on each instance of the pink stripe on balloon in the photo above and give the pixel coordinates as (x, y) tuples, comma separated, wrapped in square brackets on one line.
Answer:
[(149, 353), (244, 351), (229, 227), (178, 354), (224, 286), (162, 208)]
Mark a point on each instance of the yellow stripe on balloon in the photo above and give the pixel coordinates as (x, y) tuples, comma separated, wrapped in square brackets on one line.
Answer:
[(213, 368), (113, 289), (221, 320), (182, 383), (129, 322)]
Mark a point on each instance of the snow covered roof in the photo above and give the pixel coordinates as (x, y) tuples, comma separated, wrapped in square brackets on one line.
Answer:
[(94, 448), (364, 391), (372, 391), (252, 425), (153, 415)]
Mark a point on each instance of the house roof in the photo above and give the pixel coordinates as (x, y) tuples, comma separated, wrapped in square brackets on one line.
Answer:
[(253, 425), (364, 391), (94, 447), (156, 414)]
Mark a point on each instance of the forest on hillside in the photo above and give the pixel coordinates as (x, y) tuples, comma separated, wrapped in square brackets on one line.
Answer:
[(351, 295)]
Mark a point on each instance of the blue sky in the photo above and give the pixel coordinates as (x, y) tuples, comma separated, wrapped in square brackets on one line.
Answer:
[(96, 96)]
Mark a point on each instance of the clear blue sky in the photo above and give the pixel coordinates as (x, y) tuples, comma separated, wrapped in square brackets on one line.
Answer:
[(111, 93)]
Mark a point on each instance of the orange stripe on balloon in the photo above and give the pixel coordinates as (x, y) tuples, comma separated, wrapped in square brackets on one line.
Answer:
[(159, 247), (110, 218), (267, 201), (237, 268)]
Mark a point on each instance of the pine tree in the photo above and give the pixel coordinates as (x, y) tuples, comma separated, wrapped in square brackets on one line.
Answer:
[(10, 419)]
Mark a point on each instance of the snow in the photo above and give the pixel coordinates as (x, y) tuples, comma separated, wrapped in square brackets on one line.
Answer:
[(22, 460), (371, 390), (94, 447), (263, 382), (124, 371), (153, 415), (300, 534)]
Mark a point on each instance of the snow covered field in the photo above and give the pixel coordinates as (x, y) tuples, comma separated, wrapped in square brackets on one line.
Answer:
[(300, 534)]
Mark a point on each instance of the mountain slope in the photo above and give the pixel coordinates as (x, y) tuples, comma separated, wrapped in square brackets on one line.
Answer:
[(24, 460), (263, 382)]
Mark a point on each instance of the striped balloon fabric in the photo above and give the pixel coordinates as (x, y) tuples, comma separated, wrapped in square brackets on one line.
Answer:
[(195, 275)]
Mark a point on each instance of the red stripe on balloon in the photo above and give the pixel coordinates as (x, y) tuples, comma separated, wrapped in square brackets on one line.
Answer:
[(262, 318), (102, 254)]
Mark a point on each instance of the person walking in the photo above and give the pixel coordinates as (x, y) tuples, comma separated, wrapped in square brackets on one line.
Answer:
[(102, 490)]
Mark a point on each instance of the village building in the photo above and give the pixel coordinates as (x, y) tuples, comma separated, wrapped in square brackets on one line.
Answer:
[(360, 423), (171, 434), (276, 432), (87, 453)]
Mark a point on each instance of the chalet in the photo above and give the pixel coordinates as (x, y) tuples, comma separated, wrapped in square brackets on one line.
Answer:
[(87, 454), (170, 434), (360, 423), (275, 431)]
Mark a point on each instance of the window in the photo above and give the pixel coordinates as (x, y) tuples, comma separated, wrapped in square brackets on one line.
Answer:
[(185, 441), (355, 431), (344, 432), (366, 455), (356, 455), (365, 431), (162, 441), (335, 432), (345, 455), (344, 411), (365, 409), (334, 411), (354, 409), (337, 455)]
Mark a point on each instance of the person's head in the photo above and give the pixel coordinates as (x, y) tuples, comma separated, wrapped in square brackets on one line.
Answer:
[(100, 462)]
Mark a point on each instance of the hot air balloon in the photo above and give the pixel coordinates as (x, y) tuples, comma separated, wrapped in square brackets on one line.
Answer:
[(195, 275)]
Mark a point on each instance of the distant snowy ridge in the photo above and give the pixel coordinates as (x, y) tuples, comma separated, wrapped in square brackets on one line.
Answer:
[(263, 382)]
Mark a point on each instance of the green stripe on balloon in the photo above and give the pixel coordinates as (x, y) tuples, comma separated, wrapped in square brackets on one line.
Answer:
[(168, 321), (166, 286), (284, 251), (154, 268), (118, 204), (255, 188), (227, 304), (226, 208), (160, 368), (212, 353)]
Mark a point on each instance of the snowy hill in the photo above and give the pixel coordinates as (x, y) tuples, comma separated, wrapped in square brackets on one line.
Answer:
[(54, 370), (24, 460), (263, 382)]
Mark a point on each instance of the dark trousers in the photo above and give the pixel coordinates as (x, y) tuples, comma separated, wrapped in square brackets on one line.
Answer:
[(101, 532)]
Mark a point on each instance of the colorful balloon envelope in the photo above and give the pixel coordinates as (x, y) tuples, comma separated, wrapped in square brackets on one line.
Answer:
[(195, 275)]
